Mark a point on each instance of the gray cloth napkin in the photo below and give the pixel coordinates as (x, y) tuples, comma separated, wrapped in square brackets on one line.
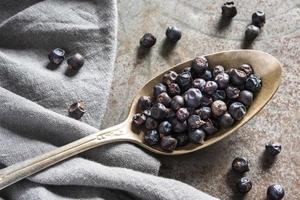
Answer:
[(34, 96)]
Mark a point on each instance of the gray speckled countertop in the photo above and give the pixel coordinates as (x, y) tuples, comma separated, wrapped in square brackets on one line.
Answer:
[(209, 169)]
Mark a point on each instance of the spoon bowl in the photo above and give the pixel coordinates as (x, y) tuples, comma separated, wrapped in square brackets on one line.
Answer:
[(264, 65)]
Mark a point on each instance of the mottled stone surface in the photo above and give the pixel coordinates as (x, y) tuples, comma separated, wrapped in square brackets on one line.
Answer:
[(209, 169)]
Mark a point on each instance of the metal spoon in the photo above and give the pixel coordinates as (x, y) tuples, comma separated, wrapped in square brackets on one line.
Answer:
[(265, 65)]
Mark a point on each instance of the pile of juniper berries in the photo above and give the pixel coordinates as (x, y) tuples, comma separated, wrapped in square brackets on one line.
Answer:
[(196, 103)]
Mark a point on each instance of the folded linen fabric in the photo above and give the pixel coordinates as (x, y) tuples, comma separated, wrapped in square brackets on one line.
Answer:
[(34, 96)]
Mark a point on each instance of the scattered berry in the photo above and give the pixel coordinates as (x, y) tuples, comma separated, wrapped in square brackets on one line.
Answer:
[(252, 32), (76, 61), (229, 10), (273, 148), (275, 192), (259, 19), (173, 33), (148, 40), (77, 110), (240, 165), (56, 56), (244, 185)]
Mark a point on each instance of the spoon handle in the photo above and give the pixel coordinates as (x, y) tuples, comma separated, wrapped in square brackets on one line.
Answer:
[(21, 170)]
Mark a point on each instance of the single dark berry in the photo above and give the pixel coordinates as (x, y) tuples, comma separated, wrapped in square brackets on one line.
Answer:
[(169, 77), (222, 79), (246, 97), (76, 61), (210, 127), (252, 32), (164, 98), (229, 10), (56, 56), (168, 143), (275, 192), (197, 136), (193, 97), (218, 108), (178, 126), (217, 70), (253, 83), (174, 89), (232, 92), (182, 114), (151, 137), (170, 113), (273, 148), (219, 95), (199, 66), (151, 123), (259, 18), (237, 77), (159, 88), (244, 185), (240, 165), (237, 110), (210, 87), (204, 112), (77, 110), (165, 128), (144, 102), (177, 102), (246, 68), (148, 40), (195, 122), (184, 80), (226, 120), (173, 33), (139, 119), (206, 100), (158, 111), (207, 76), (182, 139), (199, 83), (147, 112)]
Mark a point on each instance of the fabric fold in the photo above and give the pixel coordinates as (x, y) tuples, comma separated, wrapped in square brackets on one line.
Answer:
[(35, 96)]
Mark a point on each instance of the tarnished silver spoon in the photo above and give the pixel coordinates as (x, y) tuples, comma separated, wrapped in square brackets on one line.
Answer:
[(265, 65)]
